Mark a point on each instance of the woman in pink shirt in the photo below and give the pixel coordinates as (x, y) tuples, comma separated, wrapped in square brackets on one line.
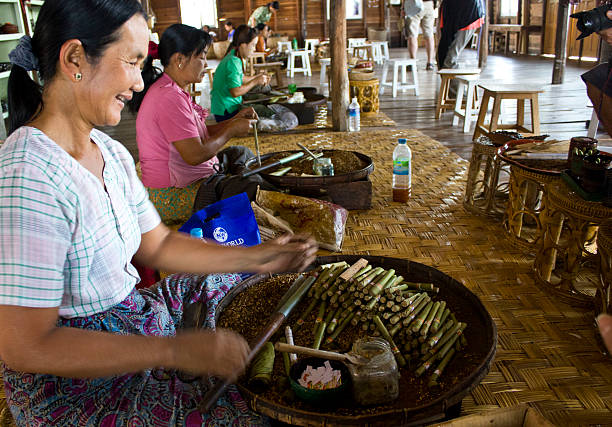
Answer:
[(175, 146)]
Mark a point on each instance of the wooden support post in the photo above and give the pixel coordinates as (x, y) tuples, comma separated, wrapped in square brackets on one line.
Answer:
[(387, 19), (561, 42), (339, 74), (483, 48), (304, 20)]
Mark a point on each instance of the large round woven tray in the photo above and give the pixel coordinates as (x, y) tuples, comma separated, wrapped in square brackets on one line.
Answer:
[(481, 334), (313, 182)]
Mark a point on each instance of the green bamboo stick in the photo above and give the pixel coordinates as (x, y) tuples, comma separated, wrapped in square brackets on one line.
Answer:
[(437, 319), (306, 312), (420, 319), (379, 285), (319, 336), (433, 379), (331, 325), (429, 319), (340, 328), (439, 334), (416, 310), (320, 315), (385, 334)]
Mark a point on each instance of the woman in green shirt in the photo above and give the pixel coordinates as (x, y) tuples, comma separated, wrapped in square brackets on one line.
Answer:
[(230, 83)]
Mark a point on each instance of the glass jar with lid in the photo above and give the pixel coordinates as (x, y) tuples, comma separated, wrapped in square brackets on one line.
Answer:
[(377, 381), (323, 166)]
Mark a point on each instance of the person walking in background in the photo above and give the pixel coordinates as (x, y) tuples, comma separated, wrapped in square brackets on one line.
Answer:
[(263, 14), (459, 20), (425, 19)]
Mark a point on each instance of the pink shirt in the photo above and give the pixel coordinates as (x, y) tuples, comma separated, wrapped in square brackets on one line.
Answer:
[(168, 114)]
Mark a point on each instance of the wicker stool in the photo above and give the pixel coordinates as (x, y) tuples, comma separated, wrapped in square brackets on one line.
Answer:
[(444, 102), (527, 199), (484, 194), (400, 64), (566, 260), (603, 298), (366, 92), (499, 93)]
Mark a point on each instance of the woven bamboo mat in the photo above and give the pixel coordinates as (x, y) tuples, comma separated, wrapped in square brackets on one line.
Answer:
[(547, 355)]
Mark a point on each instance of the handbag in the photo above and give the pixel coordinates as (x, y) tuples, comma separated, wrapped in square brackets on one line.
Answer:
[(229, 222), (412, 7)]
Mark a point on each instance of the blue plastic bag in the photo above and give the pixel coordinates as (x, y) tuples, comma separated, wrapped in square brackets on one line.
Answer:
[(229, 222)]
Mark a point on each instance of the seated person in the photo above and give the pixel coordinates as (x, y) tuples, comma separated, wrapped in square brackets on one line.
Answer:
[(272, 55), (175, 146), (80, 345), (229, 82), (229, 27), (207, 29)]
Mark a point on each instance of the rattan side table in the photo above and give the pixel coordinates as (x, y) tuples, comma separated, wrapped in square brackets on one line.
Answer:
[(566, 261), (526, 201), (366, 92), (485, 193), (603, 297)]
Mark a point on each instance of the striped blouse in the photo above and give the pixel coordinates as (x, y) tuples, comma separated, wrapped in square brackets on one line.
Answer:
[(65, 240)]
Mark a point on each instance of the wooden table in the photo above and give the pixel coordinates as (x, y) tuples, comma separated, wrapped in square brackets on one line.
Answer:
[(506, 29)]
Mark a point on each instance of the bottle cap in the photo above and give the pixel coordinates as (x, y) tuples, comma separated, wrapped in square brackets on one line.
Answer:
[(197, 233), (401, 140)]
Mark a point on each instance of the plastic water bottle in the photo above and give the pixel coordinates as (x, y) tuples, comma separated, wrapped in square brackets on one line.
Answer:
[(197, 233), (354, 124), (402, 172), (294, 44)]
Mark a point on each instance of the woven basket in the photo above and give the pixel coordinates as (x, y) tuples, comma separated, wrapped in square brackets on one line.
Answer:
[(362, 75)]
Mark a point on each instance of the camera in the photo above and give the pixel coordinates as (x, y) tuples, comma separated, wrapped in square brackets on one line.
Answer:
[(591, 21)]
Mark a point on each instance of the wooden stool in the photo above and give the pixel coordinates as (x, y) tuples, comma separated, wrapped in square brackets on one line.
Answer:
[(211, 75), (566, 262), (498, 93), (400, 64), (305, 68), (444, 102), (471, 101), (366, 92), (274, 68), (352, 42), (484, 194), (527, 200), (365, 51), (323, 83), (253, 59), (603, 296)]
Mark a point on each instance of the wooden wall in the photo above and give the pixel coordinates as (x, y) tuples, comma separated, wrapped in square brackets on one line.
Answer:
[(167, 12), (290, 19)]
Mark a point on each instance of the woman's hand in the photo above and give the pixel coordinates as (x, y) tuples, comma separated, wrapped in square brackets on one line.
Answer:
[(262, 79), (286, 253), (221, 353), (241, 126), (247, 113)]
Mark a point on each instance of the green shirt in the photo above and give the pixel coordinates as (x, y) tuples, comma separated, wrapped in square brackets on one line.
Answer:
[(261, 15), (228, 75)]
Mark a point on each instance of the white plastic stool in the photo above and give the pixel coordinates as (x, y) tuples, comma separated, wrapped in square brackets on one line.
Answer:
[(305, 68), (400, 64), (471, 110), (325, 62), (593, 125), (310, 45), (282, 45), (381, 51), (354, 42)]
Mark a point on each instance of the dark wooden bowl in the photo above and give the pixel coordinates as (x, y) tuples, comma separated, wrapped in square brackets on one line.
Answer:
[(481, 335)]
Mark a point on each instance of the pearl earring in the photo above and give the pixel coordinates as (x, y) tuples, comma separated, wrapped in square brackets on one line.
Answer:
[(78, 77), (180, 65)]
